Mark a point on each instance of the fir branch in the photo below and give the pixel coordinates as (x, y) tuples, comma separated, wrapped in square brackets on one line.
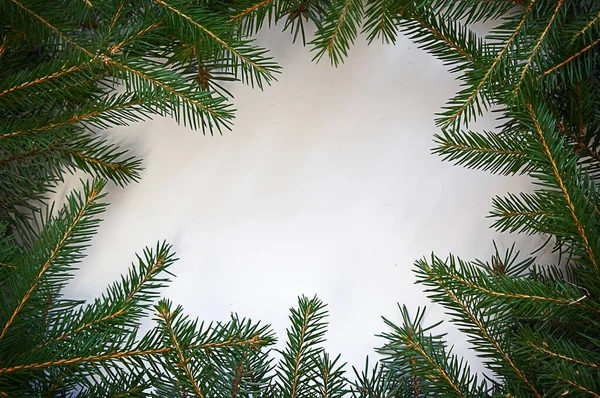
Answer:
[(244, 59), (472, 10), (115, 48), (338, 26), (579, 387), (497, 153), (88, 153), (570, 59), (116, 17), (299, 12), (88, 203), (562, 356), (167, 318), (163, 259), (487, 336), (586, 28), (412, 351), (525, 298), (325, 374), (454, 115), (99, 110), (338, 30), (231, 344), (414, 344), (303, 349), (330, 379), (46, 78), (254, 342), (52, 28), (248, 17), (580, 114), (518, 296), (90, 359), (577, 139), (296, 374), (250, 10), (23, 156), (527, 213), (482, 150), (66, 89), (563, 188), (536, 47), (438, 34), (214, 111), (89, 159), (133, 391), (380, 20), (472, 324), (448, 40), (380, 381), (522, 215), (96, 157)]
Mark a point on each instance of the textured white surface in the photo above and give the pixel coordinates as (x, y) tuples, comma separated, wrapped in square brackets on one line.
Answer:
[(325, 186)]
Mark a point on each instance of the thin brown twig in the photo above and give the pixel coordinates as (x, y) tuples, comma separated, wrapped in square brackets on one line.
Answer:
[(254, 341), (249, 10), (297, 360), (571, 58)]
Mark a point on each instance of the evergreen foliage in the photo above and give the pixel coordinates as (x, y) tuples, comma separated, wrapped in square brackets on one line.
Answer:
[(74, 67)]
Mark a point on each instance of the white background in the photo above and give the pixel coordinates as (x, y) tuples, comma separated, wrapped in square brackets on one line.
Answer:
[(326, 186)]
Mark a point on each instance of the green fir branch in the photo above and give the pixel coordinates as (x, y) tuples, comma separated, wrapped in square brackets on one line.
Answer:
[(479, 322), (338, 30), (69, 232), (473, 98), (411, 348), (303, 349), (493, 152)]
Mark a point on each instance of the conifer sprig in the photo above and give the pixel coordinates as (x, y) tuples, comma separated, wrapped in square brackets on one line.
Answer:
[(54, 253), (411, 348), (338, 30), (303, 349)]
